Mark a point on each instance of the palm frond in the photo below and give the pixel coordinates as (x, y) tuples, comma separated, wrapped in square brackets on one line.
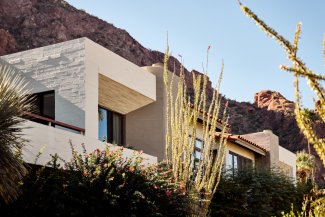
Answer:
[(14, 101)]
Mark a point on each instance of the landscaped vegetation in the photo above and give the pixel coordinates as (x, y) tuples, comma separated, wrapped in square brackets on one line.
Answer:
[(13, 103), (313, 206), (197, 168), (257, 192), (299, 69), (101, 183)]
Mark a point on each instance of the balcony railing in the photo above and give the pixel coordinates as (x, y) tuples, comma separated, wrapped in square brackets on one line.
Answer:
[(53, 123)]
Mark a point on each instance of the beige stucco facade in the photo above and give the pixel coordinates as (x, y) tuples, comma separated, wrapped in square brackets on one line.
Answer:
[(83, 75), (146, 127), (232, 146), (235, 148), (114, 83), (146, 130), (287, 162), (49, 140), (277, 157)]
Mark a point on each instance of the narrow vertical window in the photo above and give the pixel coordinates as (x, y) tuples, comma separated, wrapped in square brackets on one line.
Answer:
[(110, 126), (235, 161), (117, 128), (198, 148), (48, 105), (230, 161), (102, 125)]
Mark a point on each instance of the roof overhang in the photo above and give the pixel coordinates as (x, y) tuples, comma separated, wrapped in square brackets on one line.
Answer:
[(250, 146), (239, 140), (122, 86), (118, 97)]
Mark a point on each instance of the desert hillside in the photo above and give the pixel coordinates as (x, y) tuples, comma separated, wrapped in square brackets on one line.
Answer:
[(27, 24)]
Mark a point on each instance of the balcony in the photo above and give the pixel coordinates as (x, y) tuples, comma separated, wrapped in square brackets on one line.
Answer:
[(51, 137)]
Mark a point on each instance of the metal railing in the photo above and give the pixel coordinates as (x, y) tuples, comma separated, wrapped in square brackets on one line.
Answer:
[(53, 123)]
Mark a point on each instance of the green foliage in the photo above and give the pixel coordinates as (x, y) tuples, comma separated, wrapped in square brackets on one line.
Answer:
[(312, 206), (13, 104), (252, 192), (299, 69), (306, 166), (99, 184), (183, 110)]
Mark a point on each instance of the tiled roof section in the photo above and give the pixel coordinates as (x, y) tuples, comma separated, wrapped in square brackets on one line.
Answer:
[(206, 113), (250, 142), (238, 137)]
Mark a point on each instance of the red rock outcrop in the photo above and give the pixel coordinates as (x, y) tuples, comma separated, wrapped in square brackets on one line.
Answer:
[(27, 24), (274, 101)]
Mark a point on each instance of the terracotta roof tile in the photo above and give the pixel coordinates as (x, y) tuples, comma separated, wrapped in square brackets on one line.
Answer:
[(239, 137)]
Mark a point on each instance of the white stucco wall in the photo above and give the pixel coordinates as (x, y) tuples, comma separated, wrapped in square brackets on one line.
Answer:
[(288, 158), (56, 140), (100, 60), (103, 61), (71, 69)]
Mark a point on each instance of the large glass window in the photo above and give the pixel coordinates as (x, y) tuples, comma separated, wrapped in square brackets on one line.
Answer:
[(110, 126), (238, 162)]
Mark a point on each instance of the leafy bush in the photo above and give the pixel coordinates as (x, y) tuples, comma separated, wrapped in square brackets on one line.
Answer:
[(99, 184), (256, 193)]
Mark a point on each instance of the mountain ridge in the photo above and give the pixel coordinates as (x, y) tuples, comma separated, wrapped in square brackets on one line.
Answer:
[(27, 24)]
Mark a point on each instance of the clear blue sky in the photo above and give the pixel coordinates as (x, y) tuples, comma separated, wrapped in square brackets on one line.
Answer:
[(251, 59)]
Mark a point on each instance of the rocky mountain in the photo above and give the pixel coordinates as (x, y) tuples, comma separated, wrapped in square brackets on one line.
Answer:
[(273, 101), (27, 24), (272, 111)]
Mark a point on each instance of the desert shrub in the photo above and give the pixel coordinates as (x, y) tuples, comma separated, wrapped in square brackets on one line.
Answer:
[(312, 206), (253, 192), (99, 184)]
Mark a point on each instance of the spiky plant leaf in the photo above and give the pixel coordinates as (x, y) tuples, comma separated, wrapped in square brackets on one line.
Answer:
[(183, 111), (14, 101), (299, 69)]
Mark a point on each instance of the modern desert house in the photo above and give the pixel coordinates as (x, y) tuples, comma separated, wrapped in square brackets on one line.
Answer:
[(72, 81), (88, 94), (260, 149)]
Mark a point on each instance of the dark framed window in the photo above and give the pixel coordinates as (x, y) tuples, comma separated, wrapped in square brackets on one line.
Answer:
[(110, 126), (43, 104), (238, 162), (198, 149)]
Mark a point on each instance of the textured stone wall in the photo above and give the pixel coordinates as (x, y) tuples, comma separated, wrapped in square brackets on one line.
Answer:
[(59, 67)]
